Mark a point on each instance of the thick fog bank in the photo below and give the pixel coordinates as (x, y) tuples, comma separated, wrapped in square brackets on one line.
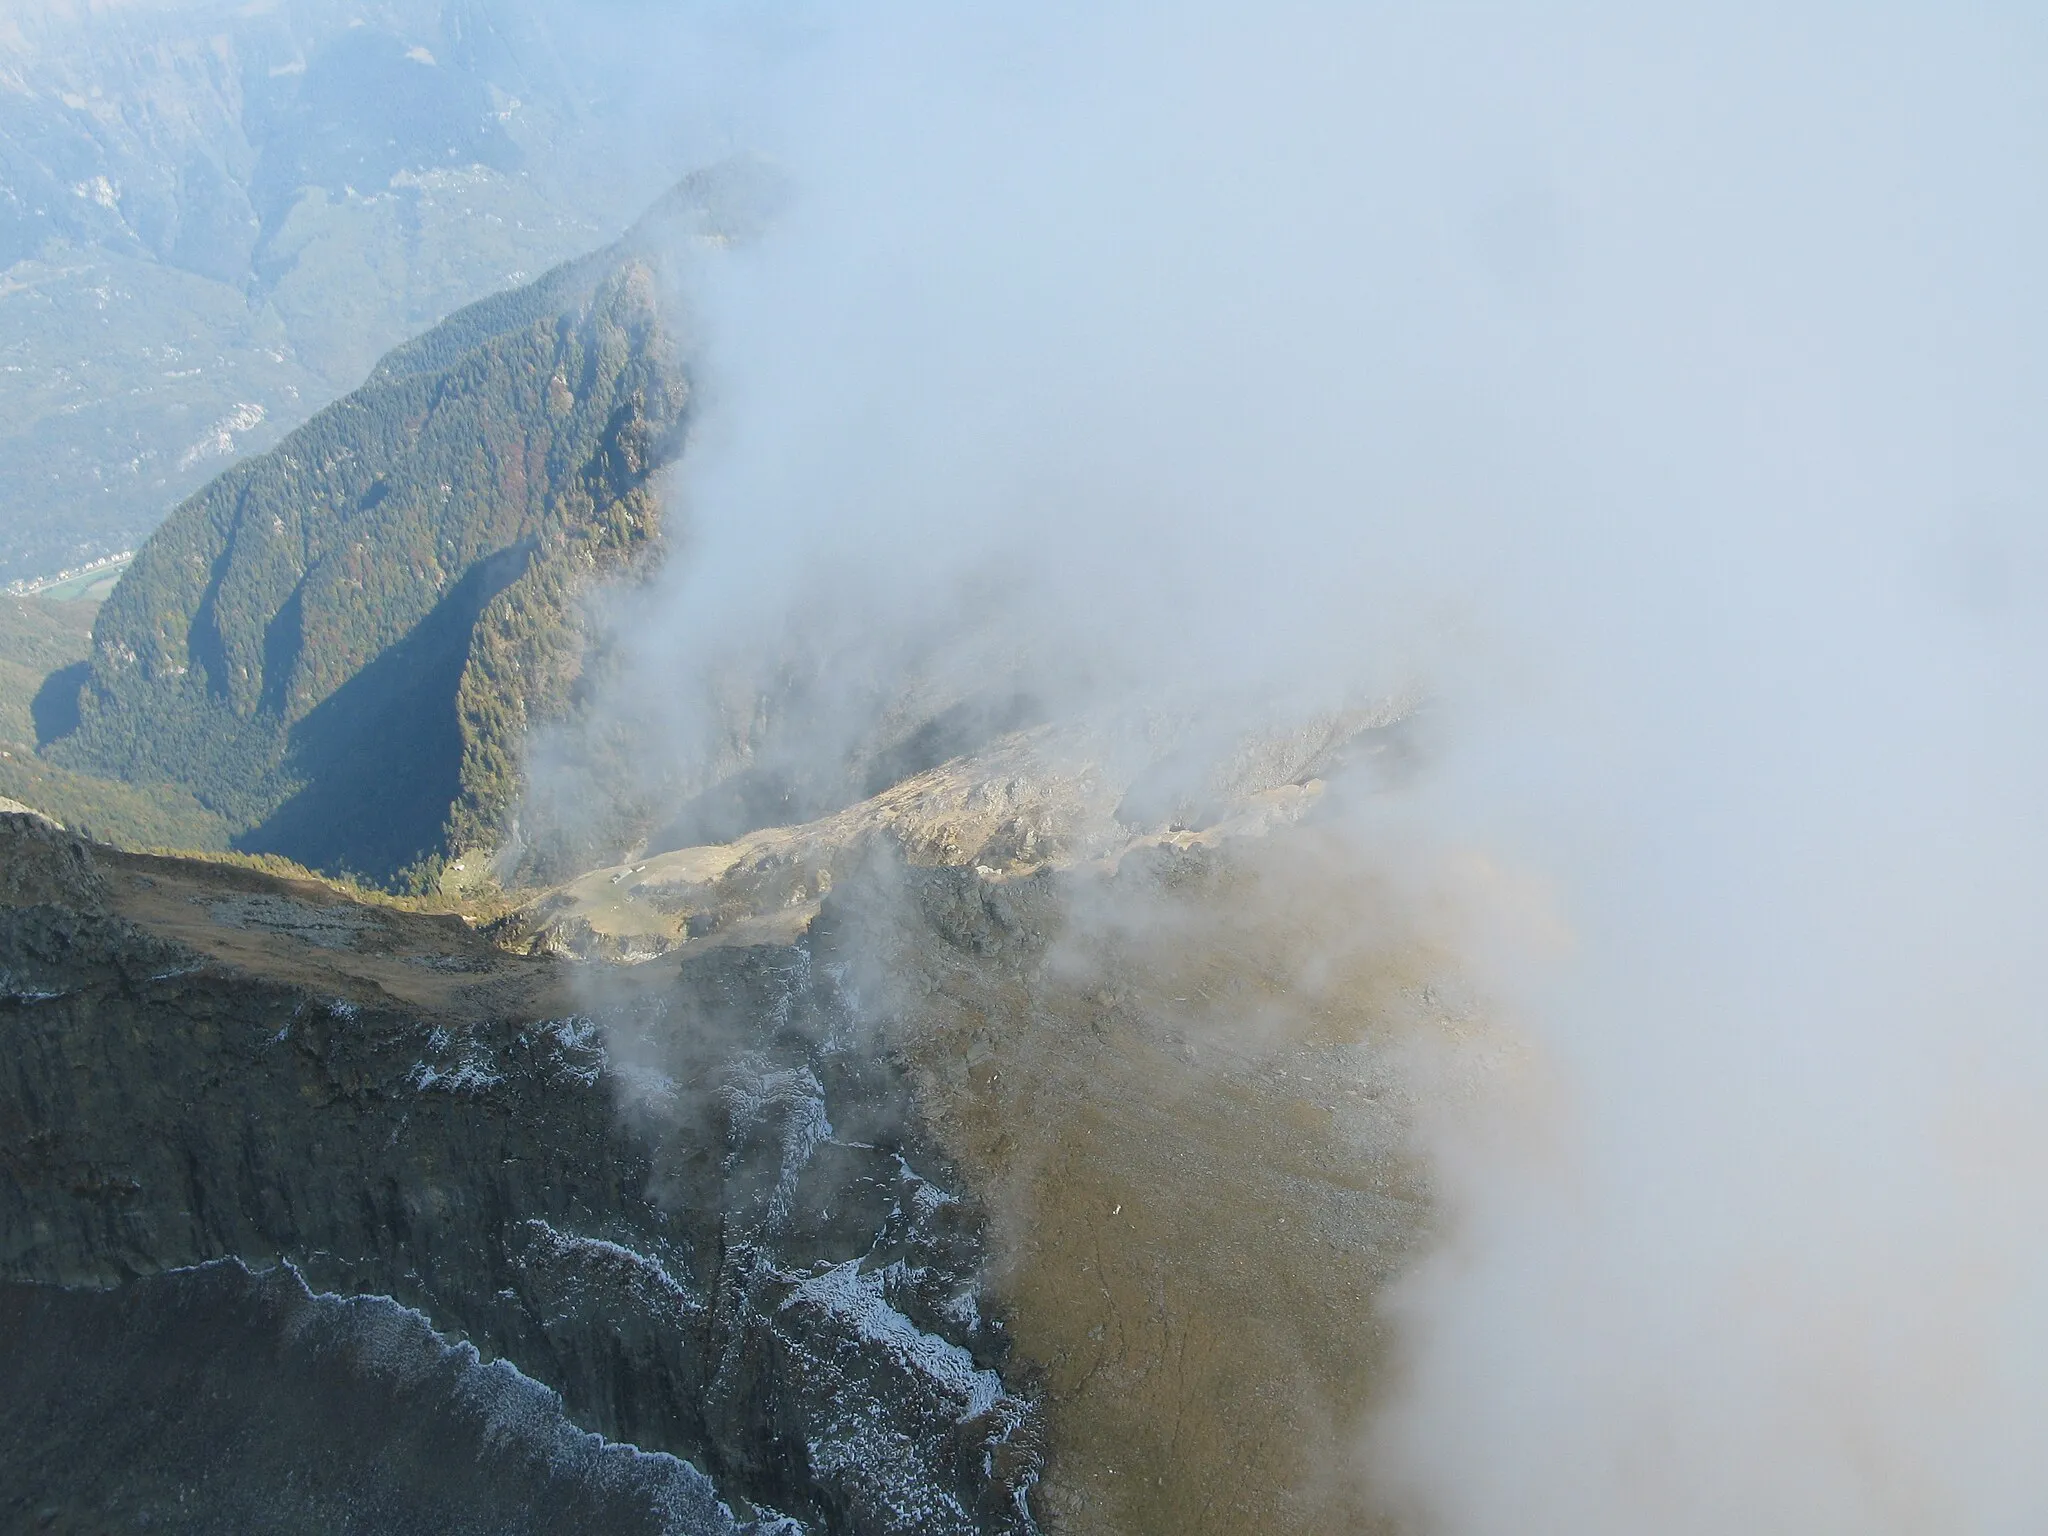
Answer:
[(1661, 397)]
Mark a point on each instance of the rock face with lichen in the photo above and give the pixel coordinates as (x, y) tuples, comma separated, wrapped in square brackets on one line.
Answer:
[(693, 1215)]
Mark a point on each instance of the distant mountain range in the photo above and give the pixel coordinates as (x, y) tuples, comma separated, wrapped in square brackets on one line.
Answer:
[(215, 216)]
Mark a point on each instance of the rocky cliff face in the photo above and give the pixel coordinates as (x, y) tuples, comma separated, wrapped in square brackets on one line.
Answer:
[(704, 1215), (218, 1399)]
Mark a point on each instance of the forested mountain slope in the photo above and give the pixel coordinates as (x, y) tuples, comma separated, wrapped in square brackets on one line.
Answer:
[(43, 648), (338, 645)]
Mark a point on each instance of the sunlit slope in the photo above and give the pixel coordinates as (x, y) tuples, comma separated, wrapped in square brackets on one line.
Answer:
[(1181, 1088), (337, 645)]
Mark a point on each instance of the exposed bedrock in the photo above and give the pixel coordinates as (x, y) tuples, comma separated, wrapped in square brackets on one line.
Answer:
[(707, 1221), (214, 1399)]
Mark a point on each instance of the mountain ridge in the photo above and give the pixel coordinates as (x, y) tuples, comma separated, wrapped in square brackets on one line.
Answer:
[(339, 645)]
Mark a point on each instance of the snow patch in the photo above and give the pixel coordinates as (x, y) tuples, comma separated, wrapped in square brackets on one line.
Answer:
[(468, 1076), (753, 1094), (559, 1244), (857, 1298)]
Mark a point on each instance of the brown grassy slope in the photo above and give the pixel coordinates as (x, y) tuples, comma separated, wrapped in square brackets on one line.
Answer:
[(308, 932), (1180, 1088)]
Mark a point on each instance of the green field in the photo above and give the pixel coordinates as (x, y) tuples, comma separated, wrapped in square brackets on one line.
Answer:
[(86, 586)]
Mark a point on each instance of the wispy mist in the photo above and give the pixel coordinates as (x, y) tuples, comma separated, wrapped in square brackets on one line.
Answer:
[(1660, 397)]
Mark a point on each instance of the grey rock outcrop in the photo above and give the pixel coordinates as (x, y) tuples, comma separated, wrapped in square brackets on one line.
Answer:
[(219, 1400), (44, 864), (701, 1212)]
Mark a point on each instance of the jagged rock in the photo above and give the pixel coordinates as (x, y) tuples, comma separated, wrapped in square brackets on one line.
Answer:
[(701, 1212), (1052, 796), (216, 1399), (41, 863)]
